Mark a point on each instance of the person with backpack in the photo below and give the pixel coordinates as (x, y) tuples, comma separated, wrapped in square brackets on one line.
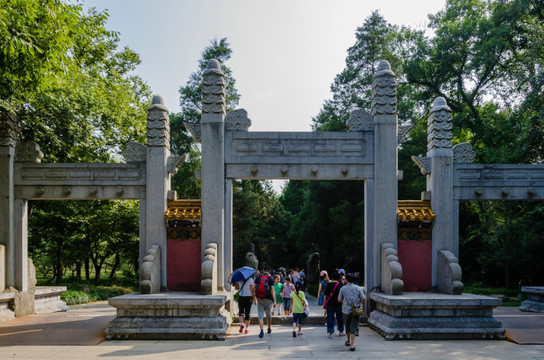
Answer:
[(265, 297), (298, 305)]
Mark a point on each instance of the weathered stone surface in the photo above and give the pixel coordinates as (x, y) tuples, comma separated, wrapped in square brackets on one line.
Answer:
[(449, 273), (237, 120), (6, 306), (359, 120), (150, 271), (424, 164), (28, 152), (391, 271), (169, 316), (47, 299), (535, 301), (435, 316), (463, 153), (135, 152)]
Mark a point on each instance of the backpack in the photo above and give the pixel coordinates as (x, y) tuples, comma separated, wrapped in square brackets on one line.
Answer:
[(263, 288)]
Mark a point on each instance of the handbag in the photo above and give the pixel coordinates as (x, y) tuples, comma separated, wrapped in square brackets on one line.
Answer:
[(328, 297), (357, 309), (236, 295), (306, 312)]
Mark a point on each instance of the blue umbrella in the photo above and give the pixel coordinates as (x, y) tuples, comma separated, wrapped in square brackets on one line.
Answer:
[(241, 274)]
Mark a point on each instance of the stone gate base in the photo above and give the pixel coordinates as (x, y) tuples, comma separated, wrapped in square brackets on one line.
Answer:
[(169, 316), (429, 316)]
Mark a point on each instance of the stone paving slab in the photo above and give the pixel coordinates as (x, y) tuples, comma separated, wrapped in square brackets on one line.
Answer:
[(280, 344)]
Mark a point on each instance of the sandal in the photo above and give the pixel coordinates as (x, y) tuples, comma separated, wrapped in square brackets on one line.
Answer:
[(347, 343), (352, 349)]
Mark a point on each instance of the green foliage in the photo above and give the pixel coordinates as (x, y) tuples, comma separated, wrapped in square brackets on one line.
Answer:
[(74, 297)]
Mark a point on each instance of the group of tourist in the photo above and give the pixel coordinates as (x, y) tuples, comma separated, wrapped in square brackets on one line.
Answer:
[(269, 291)]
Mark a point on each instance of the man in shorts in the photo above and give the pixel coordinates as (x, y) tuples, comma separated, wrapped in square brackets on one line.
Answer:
[(265, 297), (350, 294)]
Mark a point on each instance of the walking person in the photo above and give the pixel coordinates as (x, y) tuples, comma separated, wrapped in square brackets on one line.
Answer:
[(351, 294), (265, 296), (332, 307), (297, 308), (278, 289), (323, 280), (245, 300), (288, 287)]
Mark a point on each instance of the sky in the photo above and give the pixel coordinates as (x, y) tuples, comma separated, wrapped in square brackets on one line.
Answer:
[(285, 56)]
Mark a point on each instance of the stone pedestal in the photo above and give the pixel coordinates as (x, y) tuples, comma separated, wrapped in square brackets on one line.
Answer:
[(6, 307), (47, 299), (169, 316), (432, 316), (535, 301)]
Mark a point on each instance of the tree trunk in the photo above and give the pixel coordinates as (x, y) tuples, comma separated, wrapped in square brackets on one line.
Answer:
[(60, 265), (78, 270), (115, 266), (87, 270)]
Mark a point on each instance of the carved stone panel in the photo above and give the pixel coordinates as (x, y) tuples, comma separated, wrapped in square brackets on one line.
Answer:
[(195, 130), (237, 120), (359, 120), (463, 153), (28, 152), (300, 148), (135, 152), (424, 164)]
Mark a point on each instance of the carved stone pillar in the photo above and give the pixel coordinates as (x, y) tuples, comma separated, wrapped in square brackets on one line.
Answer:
[(440, 180), (9, 136), (213, 164), (384, 199), (157, 179)]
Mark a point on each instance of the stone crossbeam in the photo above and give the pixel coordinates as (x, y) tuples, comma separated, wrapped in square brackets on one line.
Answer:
[(282, 155), (79, 181), (498, 182)]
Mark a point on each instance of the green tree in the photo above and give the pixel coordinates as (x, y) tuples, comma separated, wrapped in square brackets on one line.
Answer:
[(74, 93)]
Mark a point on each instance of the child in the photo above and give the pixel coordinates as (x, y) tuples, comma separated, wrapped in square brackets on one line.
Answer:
[(278, 288), (288, 287), (297, 307)]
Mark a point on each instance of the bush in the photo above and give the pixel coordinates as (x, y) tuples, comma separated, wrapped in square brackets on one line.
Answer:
[(73, 297)]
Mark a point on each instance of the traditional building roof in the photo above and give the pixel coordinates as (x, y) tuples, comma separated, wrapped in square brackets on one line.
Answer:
[(188, 210), (415, 210)]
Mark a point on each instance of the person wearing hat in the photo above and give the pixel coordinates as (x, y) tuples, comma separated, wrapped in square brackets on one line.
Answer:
[(323, 281), (342, 273)]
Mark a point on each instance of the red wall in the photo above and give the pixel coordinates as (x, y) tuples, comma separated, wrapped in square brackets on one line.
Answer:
[(415, 256), (183, 264)]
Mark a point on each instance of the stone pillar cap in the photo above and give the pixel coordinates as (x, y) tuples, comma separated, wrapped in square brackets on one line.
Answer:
[(384, 68), (440, 104), (213, 67), (157, 103)]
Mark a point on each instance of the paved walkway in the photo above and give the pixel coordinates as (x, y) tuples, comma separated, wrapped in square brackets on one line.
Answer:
[(278, 345)]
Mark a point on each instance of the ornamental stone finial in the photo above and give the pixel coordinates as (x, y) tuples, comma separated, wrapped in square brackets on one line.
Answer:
[(9, 128), (158, 124), (439, 125), (213, 89), (384, 90)]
